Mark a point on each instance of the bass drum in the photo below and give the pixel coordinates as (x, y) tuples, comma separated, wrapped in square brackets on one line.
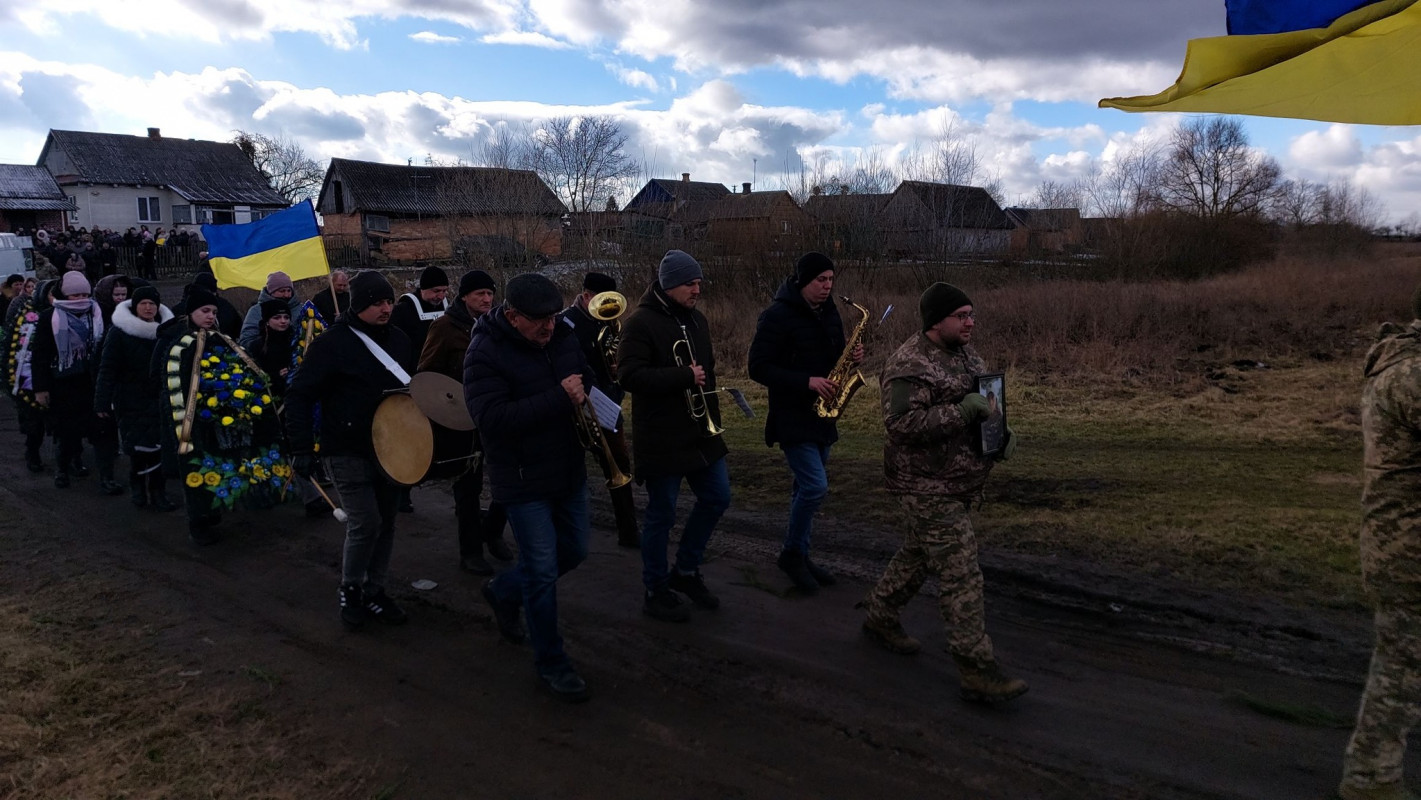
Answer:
[(454, 452), (404, 440)]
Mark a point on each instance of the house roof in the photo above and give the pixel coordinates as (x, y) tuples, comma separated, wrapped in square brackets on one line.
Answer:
[(399, 189), (845, 208), (27, 188), (1045, 219), (958, 206), (666, 190), (755, 205), (199, 171)]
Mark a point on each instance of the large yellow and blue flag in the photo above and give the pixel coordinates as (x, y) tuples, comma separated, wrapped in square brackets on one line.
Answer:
[(1329, 60), (288, 241)]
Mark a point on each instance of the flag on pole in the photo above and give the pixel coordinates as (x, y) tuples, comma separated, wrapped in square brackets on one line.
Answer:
[(288, 241), (1362, 67)]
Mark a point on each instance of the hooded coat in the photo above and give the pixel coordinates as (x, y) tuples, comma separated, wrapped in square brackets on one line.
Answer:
[(793, 343), (124, 386), (1391, 465), (252, 323)]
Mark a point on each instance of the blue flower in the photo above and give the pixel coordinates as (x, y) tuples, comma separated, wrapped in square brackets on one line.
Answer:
[(222, 492), (208, 463), (228, 466), (275, 481), (273, 454), (205, 414), (224, 395), (234, 481)]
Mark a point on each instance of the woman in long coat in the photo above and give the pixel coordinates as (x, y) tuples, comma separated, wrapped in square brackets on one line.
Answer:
[(65, 357), (124, 391)]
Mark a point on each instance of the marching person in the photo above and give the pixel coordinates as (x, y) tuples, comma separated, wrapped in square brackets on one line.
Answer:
[(930, 404), (1391, 563), (331, 307), (797, 342), (229, 319), (123, 390), (278, 287), (665, 362), (348, 369), (525, 384), (413, 314), (590, 336), (443, 352)]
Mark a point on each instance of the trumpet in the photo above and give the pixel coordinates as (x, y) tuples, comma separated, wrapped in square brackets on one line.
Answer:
[(685, 356), (589, 431)]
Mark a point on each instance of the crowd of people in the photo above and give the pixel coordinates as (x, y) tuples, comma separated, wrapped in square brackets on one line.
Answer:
[(97, 253)]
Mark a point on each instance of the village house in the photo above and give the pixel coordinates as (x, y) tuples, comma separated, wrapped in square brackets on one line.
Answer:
[(651, 216), (30, 198), (1045, 230), (847, 224), (930, 220), (748, 223), (472, 215), (118, 182)]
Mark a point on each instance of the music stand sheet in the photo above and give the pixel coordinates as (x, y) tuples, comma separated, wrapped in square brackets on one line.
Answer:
[(607, 410)]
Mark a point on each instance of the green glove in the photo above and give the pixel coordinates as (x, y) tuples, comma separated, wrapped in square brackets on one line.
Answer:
[(1010, 447), (972, 408)]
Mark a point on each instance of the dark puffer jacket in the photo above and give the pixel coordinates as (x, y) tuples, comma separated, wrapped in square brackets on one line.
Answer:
[(792, 343), (341, 374), (513, 389), (124, 387), (666, 439)]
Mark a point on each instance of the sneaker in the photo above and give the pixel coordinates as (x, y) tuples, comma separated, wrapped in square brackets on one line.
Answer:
[(565, 684), (694, 587), (61, 481), (665, 605), (891, 636), (499, 549), (987, 683), (792, 563), (352, 606), (821, 576), (383, 608), (508, 618)]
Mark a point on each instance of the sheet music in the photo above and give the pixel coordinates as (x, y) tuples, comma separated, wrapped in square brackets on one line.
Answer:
[(608, 411)]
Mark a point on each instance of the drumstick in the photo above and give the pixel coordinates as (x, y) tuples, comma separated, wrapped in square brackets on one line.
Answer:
[(336, 511)]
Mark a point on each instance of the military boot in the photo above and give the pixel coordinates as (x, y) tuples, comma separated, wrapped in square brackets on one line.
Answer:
[(891, 636), (986, 683), (1381, 791)]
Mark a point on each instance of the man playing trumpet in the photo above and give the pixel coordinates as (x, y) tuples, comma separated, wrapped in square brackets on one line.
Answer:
[(666, 364)]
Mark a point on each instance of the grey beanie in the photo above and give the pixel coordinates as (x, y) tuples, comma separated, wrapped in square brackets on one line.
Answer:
[(677, 268)]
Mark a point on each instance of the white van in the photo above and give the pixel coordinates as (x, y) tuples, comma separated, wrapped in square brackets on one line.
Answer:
[(17, 255)]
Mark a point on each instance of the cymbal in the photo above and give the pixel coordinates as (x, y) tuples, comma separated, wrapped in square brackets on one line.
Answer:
[(441, 398)]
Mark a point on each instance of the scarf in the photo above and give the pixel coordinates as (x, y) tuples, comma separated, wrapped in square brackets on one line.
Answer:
[(78, 326)]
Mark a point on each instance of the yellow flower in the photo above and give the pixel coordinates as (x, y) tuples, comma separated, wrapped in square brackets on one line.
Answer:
[(211, 402), (257, 410), (212, 478), (193, 480), (266, 398), (228, 420), (226, 376), (240, 394)]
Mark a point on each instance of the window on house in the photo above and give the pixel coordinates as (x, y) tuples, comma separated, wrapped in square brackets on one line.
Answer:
[(182, 215), (223, 216), (377, 222), (148, 210)]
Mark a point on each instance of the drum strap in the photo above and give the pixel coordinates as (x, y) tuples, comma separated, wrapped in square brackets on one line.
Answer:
[(384, 358), (427, 316)]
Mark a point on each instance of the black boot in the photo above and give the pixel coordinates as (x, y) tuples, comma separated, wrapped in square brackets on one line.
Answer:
[(107, 485), (473, 562), (32, 460), (157, 498), (793, 564), (138, 489)]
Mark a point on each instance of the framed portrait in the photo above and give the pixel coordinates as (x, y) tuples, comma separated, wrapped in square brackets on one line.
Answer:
[(992, 430)]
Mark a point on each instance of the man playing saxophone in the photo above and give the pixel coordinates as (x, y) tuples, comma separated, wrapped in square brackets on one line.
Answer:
[(599, 332), (798, 341)]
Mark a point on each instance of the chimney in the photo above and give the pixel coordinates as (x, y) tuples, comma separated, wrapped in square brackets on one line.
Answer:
[(816, 190), (685, 177), (153, 133), (745, 188)]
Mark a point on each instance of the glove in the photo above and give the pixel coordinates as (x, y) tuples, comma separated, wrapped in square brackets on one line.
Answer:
[(972, 408), (304, 465), (1010, 447)]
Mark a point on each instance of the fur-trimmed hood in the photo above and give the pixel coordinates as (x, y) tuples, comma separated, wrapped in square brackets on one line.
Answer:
[(125, 320)]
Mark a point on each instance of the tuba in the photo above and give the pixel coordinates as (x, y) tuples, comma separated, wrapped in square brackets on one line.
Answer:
[(844, 374), (696, 404), (606, 307)]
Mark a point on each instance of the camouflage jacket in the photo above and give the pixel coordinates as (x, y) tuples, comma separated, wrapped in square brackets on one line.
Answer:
[(1391, 461), (928, 449)]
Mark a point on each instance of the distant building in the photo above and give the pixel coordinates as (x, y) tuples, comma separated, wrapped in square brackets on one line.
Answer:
[(118, 182), (1046, 230), (929, 220), (30, 198), (651, 216), (749, 223), (848, 224), (472, 215)]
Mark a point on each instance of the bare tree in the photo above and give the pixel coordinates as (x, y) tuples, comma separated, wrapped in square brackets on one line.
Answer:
[(1211, 172), (1295, 203), (1056, 194), (1122, 188), (284, 164), (583, 159)]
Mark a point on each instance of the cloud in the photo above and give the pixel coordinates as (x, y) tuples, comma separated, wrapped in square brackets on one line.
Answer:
[(430, 37), (525, 39), (634, 78), (1334, 148)]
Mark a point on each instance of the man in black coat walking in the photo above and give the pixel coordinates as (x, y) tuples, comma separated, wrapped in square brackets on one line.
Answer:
[(797, 341)]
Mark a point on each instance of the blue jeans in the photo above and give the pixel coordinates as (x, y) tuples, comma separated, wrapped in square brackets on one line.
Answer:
[(711, 485), (809, 462), (552, 540)]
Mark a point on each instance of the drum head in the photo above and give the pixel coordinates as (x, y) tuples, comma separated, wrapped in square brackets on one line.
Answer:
[(404, 442), (441, 398)]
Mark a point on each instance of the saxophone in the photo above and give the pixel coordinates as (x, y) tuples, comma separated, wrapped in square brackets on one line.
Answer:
[(844, 374)]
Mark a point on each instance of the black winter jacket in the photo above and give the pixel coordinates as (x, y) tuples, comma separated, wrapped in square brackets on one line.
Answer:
[(341, 374), (793, 343), (585, 328), (71, 399), (666, 439), (514, 393), (272, 352), (405, 316), (124, 386)]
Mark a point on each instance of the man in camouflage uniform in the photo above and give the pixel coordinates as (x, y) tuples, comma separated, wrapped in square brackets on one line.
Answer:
[(1391, 563), (930, 406)]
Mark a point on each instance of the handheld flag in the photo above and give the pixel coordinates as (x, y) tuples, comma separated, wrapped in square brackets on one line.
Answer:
[(289, 241), (1360, 68)]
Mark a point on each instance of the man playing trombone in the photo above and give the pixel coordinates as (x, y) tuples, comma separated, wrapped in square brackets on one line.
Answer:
[(665, 362)]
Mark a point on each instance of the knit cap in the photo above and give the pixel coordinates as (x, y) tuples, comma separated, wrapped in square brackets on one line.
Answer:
[(938, 301), (677, 269)]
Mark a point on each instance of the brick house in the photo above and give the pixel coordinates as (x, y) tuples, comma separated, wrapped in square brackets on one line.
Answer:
[(651, 215), (470, 215), (745, 224), (30, 198), (119, 182), (1045, 230), (847, 224), (928, 220)]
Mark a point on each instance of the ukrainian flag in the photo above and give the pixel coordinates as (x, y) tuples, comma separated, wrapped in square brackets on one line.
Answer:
[(288, 241), (1360, 67)]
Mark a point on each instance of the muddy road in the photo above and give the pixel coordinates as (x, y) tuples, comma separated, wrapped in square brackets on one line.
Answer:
[(1139, 688)]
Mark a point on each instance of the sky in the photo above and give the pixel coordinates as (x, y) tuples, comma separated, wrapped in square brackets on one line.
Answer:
[(774, 92)]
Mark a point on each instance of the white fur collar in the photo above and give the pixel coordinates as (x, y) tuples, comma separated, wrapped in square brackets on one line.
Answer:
[(125, 320)]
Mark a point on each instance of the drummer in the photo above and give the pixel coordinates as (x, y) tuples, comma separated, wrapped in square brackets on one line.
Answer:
[(444, 353), (348, 370)]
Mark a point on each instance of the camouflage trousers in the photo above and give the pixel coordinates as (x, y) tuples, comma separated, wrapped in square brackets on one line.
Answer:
[(1391, 704), (939, 542)]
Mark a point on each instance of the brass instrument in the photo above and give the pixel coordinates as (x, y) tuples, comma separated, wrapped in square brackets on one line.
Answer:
[(845, 373), (589, 430), (696, 396), (607, 307)]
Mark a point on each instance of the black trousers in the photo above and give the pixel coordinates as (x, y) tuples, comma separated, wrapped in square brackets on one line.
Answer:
[(476, 526)]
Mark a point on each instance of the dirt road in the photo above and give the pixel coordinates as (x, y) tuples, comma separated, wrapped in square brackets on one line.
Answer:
[(1140, 689)]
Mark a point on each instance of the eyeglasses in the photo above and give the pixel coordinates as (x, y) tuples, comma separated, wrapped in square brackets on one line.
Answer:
[(964, 316)]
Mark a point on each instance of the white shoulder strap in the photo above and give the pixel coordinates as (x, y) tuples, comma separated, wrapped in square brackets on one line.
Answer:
[(384, 358)]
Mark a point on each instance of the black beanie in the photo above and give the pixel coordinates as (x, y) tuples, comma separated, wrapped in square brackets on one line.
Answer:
[(433, 278), (533, 295), (367, 288), (597, 282), (811, 266), (938, 301), (197, 297), (206, 280), (274, 306), (146, 292), (474, 281)]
